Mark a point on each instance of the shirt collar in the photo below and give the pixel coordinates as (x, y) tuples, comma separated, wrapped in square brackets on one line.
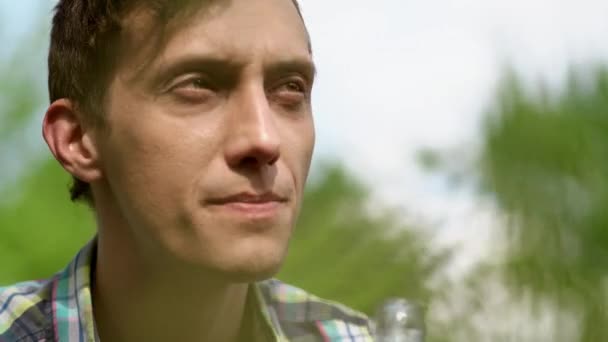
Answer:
[(72, 301)]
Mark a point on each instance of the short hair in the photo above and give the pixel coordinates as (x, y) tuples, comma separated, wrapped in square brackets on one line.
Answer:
[(83, 53)]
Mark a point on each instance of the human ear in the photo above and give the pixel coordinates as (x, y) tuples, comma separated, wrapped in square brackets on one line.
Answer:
[(72, 145)]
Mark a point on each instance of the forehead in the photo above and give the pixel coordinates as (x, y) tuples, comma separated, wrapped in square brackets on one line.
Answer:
[(241, 30)]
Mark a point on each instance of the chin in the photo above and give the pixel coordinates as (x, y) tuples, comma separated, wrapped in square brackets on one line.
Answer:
[(254, 262), (242, 251), (251, 275)]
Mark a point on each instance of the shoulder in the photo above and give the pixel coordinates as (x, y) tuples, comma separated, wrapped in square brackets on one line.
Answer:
[(25, 311), (304, 316)]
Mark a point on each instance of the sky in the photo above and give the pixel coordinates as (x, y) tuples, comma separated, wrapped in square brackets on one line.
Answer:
[(396, 76)]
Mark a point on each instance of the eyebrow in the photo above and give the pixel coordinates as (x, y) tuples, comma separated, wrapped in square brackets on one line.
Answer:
[(229, 68), (219, 67), (300, 65)]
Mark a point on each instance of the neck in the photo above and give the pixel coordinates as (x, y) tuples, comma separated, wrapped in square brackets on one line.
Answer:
[(136, 301)]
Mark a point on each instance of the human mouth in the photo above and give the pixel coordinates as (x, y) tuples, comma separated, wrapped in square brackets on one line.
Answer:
[(252, 205)]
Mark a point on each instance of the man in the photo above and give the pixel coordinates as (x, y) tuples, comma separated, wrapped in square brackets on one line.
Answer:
[(187, 127)]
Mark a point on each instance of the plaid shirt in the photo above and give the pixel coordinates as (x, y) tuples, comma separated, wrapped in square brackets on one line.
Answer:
[(60, 310)]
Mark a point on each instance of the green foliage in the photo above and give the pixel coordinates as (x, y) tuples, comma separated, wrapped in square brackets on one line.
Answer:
[(545, 160), (346, 251), (22, 89), (41, 230)]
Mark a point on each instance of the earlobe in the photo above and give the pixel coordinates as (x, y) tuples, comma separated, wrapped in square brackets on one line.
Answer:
[(70, 142)]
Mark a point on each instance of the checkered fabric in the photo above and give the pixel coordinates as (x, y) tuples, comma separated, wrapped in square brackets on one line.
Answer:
[(60, 310)]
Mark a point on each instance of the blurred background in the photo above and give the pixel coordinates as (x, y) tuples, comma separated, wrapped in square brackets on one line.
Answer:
[(462, 162)]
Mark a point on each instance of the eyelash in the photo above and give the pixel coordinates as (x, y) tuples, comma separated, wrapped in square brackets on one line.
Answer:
[(300, 87), (192, 82)]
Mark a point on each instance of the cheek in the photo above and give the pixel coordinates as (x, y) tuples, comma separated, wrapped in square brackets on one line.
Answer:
[(159, 159), (298, 145)]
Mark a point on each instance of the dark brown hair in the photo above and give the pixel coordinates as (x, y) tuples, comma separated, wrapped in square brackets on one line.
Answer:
[(84, 49)]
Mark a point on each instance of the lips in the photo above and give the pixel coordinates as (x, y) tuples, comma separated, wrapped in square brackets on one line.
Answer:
[(248, 198), (250, 206)]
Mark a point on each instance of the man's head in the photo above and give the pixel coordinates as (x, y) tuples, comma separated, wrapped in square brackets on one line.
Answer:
[(189, 121), (85, 49)]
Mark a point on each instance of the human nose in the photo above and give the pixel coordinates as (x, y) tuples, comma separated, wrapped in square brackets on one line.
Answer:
[(253, 135)]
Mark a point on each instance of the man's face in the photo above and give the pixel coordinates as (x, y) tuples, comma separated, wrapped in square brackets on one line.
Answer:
[(211, 135)]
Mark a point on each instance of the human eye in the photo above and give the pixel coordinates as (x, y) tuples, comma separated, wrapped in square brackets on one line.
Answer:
[(192, 88), (290, 92)]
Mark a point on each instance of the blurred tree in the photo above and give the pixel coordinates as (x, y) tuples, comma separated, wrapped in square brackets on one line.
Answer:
[(21, 96), (544, 159), (357, 254), (40, 230)]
